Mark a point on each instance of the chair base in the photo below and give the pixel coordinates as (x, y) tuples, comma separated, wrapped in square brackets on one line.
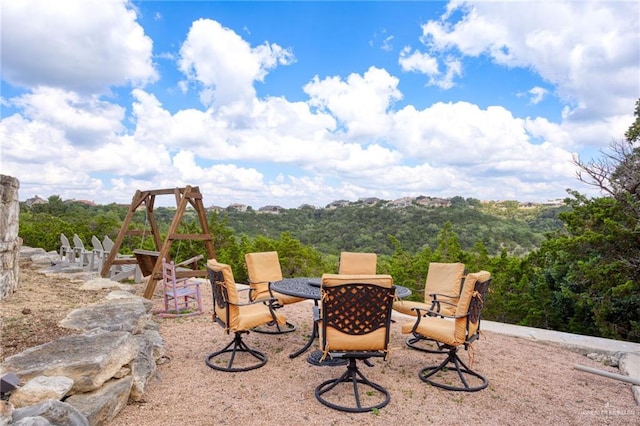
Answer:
[(358, 380), (234, 347), (463, 374), (315, 358), (275, 328)]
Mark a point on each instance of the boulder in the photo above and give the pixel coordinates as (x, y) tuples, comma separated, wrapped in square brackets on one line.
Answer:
[(143, 368), (6, 408), (111, 315), (88, 359), (55, 412), (40, 389), (102, 405)]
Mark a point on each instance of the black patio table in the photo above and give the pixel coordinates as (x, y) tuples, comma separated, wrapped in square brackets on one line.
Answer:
[(309, 288)]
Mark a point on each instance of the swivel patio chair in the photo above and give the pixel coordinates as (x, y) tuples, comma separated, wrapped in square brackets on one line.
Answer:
[(355, 321), (238, 318), (357, 263), (263, 268), (449, 332), (181, 295), (441, 294)]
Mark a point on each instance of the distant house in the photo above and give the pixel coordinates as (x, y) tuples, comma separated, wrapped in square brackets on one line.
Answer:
[(86, 202), (238, 207), (338, 203), (370, 201), (35, 200), (401, 202), (433, 202), (528, 205), (216, 209), (270, 209)]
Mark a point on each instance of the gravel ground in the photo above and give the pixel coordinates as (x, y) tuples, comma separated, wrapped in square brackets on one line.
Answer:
[(530, 382)]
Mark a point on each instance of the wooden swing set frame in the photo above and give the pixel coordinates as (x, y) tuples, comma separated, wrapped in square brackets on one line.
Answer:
[(184, 196)]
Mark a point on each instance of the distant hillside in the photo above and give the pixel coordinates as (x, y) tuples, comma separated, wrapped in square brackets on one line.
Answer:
[(365, 227)]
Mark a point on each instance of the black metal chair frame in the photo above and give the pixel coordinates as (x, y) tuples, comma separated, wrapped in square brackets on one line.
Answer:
[(376, 300), (237, 345), (274, 327), (463, 371)]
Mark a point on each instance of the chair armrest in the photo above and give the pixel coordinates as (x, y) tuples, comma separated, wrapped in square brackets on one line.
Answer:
[(429, 312), (268, 301), (435, 295)]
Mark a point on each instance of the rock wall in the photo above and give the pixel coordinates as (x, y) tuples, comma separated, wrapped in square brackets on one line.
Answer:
[(9, 241), (87, 378)]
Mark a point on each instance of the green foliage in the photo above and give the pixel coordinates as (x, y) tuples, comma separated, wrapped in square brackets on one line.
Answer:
[(366, 228), (580, 273), (590, 275)]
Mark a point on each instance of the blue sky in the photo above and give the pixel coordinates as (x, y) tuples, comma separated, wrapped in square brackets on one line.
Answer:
[(285, 103)]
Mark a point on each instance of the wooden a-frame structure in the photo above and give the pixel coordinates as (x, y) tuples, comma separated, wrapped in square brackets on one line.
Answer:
[(184, 196)]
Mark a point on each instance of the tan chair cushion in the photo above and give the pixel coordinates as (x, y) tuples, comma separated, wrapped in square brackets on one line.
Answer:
[(227, 273), (263, 268), (244, 317), (338, 279), (339, 341), (251, 316), (406, 306), (443, 278), (437, 328), (463, 305), (357, 263)]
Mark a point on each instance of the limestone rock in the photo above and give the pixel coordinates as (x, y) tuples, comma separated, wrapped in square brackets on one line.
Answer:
[(630, 364), (143, 368), (102, 405), (5, 412), (157, 343), (88, 359), (40, 389), (45, 258), (99, 283), (32, 421), (56, 412), (121, 294), (111, 315)]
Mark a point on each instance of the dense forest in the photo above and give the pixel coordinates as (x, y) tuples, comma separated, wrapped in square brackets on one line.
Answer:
[(574, 268)]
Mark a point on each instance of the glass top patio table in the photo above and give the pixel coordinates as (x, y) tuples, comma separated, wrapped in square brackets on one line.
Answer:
[(309, 288)]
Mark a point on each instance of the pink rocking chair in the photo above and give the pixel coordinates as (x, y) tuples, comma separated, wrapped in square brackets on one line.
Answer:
[(181, 295)]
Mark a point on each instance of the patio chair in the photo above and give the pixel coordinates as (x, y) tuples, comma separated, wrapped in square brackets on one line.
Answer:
[(449, 332), (238, 318), (97, 254), (181, 295), (441, 293), (120, 272), (263, 268), (355, 323), (66, 251), (80, 253), (357, 263)]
